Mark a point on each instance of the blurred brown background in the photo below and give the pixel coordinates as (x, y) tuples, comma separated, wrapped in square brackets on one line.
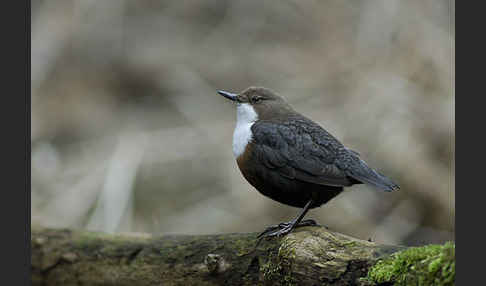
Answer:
[(129, 134)]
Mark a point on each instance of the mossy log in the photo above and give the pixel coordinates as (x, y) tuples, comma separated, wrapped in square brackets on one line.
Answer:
[(307, 256)]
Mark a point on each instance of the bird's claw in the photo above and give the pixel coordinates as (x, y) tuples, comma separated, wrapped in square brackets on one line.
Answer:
[(280, 232), (284, 228)]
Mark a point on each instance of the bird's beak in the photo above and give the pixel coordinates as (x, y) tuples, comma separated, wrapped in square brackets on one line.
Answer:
[(228, 95)]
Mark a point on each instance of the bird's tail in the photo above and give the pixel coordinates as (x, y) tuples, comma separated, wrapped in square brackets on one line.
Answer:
[(363, 173)]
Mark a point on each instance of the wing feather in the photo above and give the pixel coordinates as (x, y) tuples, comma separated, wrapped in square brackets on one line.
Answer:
[(300, 149), (290, 149)]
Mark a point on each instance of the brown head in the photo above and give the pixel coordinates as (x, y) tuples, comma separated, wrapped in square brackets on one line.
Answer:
[(266, 103)]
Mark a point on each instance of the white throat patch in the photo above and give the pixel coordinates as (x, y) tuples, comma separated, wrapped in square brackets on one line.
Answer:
[(245, 117)]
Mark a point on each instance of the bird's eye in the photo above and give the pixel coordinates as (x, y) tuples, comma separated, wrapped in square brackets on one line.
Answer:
[(256, 99)]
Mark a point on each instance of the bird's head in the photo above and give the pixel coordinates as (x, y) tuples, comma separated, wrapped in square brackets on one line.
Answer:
[(260, 100)]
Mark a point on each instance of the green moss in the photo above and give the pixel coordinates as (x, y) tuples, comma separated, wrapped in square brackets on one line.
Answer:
[(275, 274), (243, 246), (350, 244), (427, 265), (271, 271), (118, 246), (277, 269)]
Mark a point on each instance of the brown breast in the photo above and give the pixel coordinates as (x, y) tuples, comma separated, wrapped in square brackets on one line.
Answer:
[(244, 162), (280, 188)]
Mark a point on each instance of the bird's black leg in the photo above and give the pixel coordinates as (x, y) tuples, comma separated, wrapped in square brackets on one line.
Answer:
[(286, 227), (272, 228)]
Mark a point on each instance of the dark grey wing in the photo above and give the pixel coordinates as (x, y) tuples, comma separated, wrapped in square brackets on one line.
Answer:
[(300, 149), (290, 148), (359, 170)]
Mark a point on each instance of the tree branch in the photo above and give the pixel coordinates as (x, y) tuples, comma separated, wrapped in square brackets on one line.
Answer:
[(307, 256)]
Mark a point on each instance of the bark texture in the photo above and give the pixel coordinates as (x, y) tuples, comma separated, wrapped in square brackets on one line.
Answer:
[(307, 256)]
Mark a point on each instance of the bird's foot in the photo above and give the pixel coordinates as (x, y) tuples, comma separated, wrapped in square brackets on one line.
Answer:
[(284, 228)]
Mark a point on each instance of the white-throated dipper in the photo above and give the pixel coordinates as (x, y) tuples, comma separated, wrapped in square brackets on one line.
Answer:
[(290, 158)]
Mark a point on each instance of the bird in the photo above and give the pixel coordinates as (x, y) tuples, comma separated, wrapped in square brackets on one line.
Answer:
[(291, 159)]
